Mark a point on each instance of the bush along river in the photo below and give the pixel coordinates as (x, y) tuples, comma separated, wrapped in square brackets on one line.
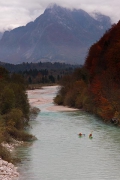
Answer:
[(59, 153)]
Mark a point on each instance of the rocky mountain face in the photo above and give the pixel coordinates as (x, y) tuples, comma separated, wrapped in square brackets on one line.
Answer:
[(1, 34), (58, 35)]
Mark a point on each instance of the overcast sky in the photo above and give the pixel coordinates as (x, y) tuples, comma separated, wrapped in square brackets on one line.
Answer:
[(14, 13)]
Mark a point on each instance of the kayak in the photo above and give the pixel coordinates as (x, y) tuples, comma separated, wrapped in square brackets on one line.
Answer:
[(80, 134), (90, 137)]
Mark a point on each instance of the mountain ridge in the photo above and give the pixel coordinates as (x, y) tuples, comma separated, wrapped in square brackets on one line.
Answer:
[(58, 35)]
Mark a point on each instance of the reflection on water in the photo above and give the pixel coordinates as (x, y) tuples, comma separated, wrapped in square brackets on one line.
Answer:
[(59, 153)]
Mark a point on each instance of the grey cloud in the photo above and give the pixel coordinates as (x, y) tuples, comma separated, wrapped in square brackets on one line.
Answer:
[(19, 12)]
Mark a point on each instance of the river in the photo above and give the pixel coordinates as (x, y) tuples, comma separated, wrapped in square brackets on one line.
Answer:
[(59, 153)]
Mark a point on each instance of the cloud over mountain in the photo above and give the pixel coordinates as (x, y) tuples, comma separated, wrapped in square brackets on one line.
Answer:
[(16, 13), (59, 34)]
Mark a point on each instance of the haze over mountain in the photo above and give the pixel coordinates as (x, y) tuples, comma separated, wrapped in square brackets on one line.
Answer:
[(58, 35)]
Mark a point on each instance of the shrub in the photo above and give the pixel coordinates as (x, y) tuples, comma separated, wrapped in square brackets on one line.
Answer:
[(8, 100), (20, 135), (5, 154), (79, 103), (58, 99), (15, 118), (70, 99), (34, 110)]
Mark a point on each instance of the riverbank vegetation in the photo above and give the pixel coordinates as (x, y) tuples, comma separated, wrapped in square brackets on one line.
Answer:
[(96, 86), (14, 111)]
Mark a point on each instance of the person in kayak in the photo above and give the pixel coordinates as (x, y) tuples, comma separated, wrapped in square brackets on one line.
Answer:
[(80, 134), (90, 135)]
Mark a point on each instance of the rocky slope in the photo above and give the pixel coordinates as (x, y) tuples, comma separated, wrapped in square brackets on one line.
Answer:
[(59, 34)]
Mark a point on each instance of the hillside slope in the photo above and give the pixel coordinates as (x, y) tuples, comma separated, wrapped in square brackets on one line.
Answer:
[(96, 86)]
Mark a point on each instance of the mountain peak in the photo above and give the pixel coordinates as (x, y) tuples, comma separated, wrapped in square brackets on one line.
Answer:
[(53, 6), (56, 9), (58, 35)]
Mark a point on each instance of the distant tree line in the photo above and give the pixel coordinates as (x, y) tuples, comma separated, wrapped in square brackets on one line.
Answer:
[(25, 66), (44, 76), (41, 73)]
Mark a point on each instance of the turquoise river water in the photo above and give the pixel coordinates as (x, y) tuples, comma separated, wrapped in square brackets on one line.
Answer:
[(59, 153)]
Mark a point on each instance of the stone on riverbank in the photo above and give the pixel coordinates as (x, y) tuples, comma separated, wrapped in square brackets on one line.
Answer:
[(11, 146), (8, 171)]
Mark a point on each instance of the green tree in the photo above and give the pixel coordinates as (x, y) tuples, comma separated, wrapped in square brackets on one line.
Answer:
[(7, 100)]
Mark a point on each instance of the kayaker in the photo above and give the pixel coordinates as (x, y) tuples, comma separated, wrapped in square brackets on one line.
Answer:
[(90, 135), (80, 134)]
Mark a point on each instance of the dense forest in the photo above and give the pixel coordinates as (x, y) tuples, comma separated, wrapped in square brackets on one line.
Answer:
[(96, 86), (45, 76), (14, 110), (41, 72)]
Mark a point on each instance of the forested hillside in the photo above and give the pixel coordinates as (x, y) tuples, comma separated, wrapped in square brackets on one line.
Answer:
[(14, 110), (96, 86)]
